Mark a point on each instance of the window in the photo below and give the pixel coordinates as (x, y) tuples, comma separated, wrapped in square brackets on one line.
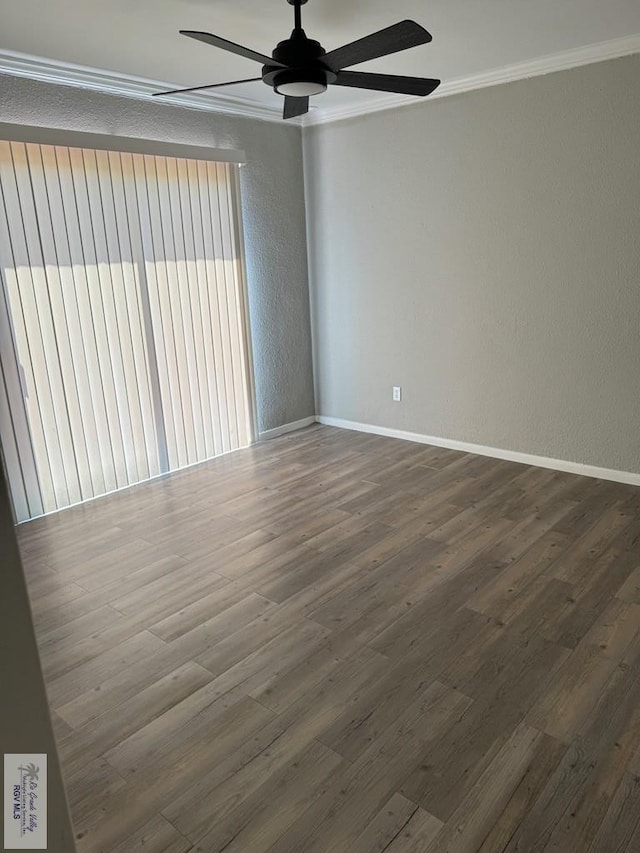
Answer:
[(124, 347)]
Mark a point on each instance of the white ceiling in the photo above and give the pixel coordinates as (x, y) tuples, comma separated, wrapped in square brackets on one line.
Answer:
[(140, 38)]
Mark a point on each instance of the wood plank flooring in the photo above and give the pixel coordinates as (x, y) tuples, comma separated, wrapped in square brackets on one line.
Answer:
[(341, 643)]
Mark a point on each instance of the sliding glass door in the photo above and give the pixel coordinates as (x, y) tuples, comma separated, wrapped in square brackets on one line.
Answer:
[(123, 332)]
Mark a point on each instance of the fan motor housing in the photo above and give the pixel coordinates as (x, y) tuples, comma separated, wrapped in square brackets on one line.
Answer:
[(302, 56)]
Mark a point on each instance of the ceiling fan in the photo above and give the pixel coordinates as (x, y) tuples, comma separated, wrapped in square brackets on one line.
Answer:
[(300, 67)]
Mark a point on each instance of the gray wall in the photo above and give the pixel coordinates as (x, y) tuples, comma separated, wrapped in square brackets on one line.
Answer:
[(273, 212), (483, 252), (25, 724)]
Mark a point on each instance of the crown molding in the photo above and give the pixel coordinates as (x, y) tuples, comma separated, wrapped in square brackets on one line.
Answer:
[(68, 74), (574, 58)]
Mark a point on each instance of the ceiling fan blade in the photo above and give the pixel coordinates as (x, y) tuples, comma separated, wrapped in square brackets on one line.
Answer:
[(232, 47), (390, 40), (420, 86), (207, 86), (295, 106)]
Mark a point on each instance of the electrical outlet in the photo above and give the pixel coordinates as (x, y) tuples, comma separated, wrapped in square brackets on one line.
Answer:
[(397, 394)]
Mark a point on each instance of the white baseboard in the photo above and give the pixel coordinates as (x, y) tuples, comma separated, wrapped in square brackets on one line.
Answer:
[(291, 427), (628, 477)]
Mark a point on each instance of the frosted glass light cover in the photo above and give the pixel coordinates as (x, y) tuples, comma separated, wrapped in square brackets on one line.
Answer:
[(301, 89)]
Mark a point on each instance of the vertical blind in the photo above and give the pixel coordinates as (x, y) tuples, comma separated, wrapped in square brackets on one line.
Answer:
[(123, 335)]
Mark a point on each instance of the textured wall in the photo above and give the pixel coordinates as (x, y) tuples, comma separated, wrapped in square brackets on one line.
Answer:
[(273, 210), (483, 251)]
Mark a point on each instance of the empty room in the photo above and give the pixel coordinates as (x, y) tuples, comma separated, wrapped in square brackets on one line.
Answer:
[(320, 426)]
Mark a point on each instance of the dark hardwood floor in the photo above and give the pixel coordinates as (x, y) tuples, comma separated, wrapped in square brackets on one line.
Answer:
[(337, 642)]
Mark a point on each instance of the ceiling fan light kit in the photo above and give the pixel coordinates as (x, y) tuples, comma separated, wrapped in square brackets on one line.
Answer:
[(300, 68), (299, 85)]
